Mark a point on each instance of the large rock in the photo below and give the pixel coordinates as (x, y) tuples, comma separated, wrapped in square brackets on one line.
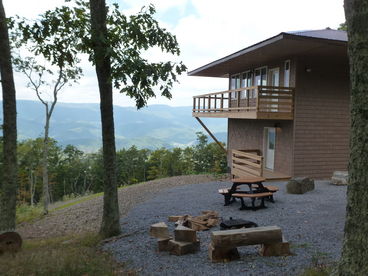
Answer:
[(340, 178), (300, 185)]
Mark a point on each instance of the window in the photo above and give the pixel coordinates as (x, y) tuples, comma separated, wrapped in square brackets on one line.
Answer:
[(246, 81), (234, 84), (287, 73), (261, 76)]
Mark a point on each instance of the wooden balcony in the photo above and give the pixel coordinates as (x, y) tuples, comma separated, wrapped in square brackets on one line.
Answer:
[(256, 102)]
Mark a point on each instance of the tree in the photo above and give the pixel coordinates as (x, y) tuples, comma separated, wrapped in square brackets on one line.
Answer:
[(355, 254), (8, 184), (51, 37), (102, 58), (117, 43), (343, 27)]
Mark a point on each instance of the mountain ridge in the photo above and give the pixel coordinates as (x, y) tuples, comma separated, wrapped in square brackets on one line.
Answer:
[(79, 124)]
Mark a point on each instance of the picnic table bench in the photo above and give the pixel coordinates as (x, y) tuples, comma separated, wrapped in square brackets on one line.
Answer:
[(256, 190)]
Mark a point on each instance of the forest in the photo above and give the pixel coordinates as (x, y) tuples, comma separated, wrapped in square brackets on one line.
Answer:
[(73, 172)]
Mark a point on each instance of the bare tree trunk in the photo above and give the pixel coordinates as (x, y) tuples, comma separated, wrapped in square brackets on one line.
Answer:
[(45, 169), (355, 253), (110, 220), (8, 185), (32, 186)]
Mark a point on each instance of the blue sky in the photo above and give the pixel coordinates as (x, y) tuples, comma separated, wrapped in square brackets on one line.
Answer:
[(206, 30)]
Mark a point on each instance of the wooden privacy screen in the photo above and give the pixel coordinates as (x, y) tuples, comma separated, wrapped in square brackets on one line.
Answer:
[(246, 163)]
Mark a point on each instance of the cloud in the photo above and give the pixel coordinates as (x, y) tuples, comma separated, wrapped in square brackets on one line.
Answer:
[(206, 30)]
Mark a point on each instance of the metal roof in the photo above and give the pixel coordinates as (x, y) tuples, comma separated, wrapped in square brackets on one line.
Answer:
[(324, 33), (283, 43)]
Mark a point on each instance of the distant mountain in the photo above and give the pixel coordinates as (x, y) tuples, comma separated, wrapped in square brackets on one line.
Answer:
[(151, 127)]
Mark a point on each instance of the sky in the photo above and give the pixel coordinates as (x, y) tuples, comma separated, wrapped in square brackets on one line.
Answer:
[(206, 31)]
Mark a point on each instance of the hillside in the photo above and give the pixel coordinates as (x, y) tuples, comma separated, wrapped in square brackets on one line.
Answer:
[(151, 127)]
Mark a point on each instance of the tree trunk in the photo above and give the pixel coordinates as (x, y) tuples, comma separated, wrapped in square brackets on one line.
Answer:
[(32, 185), (8, 185), (45, 169), (355, 254), (110, 220)]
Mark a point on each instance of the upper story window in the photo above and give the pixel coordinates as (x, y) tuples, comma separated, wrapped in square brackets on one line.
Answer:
[(260, 76), (246, 81), (235, 83), (287, 73)]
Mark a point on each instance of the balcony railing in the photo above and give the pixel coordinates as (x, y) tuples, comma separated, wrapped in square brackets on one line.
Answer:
[(256, 102)]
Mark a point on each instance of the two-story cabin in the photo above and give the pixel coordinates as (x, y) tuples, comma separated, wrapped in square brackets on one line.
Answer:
[(287, 105)]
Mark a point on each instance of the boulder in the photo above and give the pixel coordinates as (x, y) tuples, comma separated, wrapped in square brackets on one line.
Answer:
[(300, 185), (340, 178)]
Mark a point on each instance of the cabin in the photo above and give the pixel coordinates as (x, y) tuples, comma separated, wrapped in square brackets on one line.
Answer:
[(287, 105)]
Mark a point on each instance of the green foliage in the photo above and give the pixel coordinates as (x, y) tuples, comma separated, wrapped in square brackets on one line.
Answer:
[(52, 37), (25, 212), (60, 256), (129, 37), (343, 27), (74, 174)]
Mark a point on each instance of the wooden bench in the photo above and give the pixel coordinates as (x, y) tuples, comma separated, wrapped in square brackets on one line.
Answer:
[(253, 197), (227, 196), (268, 188), (223, 246)]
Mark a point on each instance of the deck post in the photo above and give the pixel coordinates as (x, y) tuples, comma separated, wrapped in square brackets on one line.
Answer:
[(248, 95), (257, 98), (238, 99), (222, 102), (210, 133)]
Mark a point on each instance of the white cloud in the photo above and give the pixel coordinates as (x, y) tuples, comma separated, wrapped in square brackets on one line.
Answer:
[(214, 29)]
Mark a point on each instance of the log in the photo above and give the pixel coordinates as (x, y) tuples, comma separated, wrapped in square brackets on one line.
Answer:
[(196, 226), (246, 236), (185, 234), (181, 248), (174, 218), (223, 254), (159, 230), (163, 244)]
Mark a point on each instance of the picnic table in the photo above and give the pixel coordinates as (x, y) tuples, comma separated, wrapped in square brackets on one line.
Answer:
[(256, 190)]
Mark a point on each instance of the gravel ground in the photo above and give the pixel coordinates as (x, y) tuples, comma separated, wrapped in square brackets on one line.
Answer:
[(313, 224), (86, 216)]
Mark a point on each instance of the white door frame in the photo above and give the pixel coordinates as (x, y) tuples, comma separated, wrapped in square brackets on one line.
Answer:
[(287, 73), (271, 72), (269, 154)]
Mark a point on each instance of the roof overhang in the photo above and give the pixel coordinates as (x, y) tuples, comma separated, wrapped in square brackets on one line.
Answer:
[(281, 46)]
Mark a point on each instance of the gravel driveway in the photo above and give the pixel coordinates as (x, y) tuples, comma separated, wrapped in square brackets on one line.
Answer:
[(313, 224)]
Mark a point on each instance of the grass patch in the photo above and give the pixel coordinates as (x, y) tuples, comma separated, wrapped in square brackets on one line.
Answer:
[(82, 199), (26, 213), (321, 265), (74, 202), (69, 255)]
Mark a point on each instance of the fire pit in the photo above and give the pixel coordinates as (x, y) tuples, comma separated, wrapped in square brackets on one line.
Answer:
[(237, 224)]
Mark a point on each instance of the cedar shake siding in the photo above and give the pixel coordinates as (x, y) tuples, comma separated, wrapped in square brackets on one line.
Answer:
[(248, 134), (322, 117)]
